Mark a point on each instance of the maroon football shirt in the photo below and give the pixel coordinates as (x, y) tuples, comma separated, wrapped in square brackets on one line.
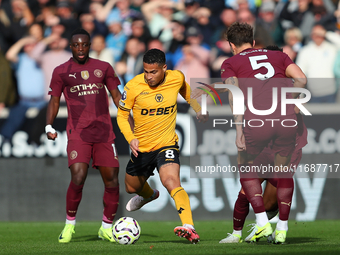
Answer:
[(86, 97), (262, 70)]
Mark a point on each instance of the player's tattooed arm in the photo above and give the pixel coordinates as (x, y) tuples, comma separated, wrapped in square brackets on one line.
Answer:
[(221, 90), (238, 118), (232, 81)]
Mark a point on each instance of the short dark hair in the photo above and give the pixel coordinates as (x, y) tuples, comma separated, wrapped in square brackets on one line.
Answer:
[(154, 56), (239, 34), (273, 47), (80, 31)]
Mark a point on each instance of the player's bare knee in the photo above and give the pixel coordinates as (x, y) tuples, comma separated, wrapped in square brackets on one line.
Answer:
[(170, 183), (115, 182), (115, 172), (78, 180), (111, 183), (131, 190), (128, 189)]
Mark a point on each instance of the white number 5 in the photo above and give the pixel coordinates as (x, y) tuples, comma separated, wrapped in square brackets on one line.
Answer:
[(255, 65)]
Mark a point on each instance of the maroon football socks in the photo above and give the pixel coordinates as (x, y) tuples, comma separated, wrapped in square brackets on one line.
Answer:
[(111, 200), (73, 198)]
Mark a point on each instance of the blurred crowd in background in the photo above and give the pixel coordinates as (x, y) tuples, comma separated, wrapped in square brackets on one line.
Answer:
[(35, 35)]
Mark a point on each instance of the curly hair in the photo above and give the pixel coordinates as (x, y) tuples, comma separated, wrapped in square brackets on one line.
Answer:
[(239, 34)]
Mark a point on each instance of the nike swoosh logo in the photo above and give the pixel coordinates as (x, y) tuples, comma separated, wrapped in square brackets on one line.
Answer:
[(259, 232)]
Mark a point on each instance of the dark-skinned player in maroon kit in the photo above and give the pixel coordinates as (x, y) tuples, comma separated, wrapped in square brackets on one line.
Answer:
[(262, 70), (82, 80)]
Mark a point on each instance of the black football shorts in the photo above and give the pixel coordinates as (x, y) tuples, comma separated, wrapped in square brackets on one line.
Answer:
[(146, 162)]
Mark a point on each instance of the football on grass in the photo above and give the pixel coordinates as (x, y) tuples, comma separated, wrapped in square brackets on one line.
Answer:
[(126, 230)]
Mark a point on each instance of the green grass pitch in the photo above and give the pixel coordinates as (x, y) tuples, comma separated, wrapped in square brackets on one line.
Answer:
[(319, 237)]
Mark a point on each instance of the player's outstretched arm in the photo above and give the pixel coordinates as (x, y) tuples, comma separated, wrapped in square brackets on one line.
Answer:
[(125, 127), (52, 111), (300, 80), (199, 91), (240, 140), (185, 92), (116, 96)]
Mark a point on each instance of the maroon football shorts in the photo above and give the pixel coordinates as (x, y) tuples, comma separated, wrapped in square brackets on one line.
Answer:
[(102, 154), (267, 157), (283, 137), (295, 159)]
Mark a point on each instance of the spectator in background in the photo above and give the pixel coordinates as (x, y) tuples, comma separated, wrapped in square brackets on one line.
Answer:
[(49, 53), (191, 7), (31, 94), (8, 92), (159, 14), (240, 4), (100, 51), (82, 6), (317, 60), (5, 34), (131, 62), (194, 64), (21, 18), (245, 5), (155, 44), (123, 12), (215, 7), (198, 54), (116, 39), (48, 19), (48, 59), (293, 42), (36, 31), (298, 14), (269, 21), (304, 14), (334, 37), (64, 16), (86, 20), (204, 24), (141, 31), (178, 40), (219, 54), (227, 17), (92, 26), (136, 5), (194, 36), (37, 6), (323, 11), (96, 8), (261, 36)]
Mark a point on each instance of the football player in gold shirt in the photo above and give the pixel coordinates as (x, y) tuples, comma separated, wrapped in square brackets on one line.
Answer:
[(152, 97)]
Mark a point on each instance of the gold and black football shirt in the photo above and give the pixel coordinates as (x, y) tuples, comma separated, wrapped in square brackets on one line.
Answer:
[(154, 110)]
